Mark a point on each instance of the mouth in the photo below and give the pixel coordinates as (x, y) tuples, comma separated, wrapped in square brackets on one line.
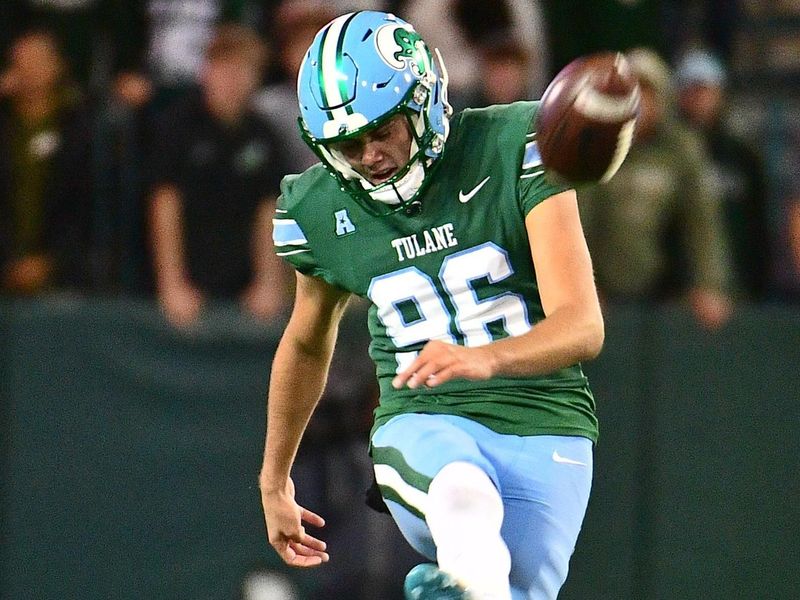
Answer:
[(381, 176)]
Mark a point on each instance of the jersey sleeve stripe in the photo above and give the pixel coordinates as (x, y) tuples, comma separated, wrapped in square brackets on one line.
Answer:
[(286, 232), (295, 242), (291, 252), (532, 158), (534, 174)]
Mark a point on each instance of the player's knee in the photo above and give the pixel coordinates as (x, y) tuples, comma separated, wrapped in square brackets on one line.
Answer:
[(464, 490)]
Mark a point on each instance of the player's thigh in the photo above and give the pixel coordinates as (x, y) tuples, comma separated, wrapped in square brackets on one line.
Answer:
[(407, 453), (545, 498)]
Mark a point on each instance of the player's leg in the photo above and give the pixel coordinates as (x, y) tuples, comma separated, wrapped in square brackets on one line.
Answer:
[(443, 494), (545, 499)]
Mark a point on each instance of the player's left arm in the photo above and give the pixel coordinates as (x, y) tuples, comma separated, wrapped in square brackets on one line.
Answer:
[(572, 329)]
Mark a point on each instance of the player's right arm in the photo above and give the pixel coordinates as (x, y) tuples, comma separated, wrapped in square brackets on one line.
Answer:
[(299, 372)]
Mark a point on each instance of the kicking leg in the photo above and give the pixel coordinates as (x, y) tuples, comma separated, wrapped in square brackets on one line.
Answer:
[(443, 495)]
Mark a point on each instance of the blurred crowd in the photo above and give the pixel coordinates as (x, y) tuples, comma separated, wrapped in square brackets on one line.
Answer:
[(142, 144)]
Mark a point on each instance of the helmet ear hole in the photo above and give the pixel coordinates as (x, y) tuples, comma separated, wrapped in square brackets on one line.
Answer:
[(420, 95)]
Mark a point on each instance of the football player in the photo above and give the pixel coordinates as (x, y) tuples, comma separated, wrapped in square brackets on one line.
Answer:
[(483, 304)]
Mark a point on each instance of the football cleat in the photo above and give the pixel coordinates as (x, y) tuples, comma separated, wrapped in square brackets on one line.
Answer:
[(428, 582)]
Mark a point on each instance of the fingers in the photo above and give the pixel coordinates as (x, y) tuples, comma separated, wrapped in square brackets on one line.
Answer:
[(408, 375), (308, 551), (308, 556), (427, 369), (439, 362), (440, 377), (312, 518), (401, 378), (425, 374), (296, 547), (310, 541), (413, 378)]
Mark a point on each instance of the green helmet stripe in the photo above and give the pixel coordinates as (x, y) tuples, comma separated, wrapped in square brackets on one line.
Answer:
[(333, 89), (320, 76), (339, 62)]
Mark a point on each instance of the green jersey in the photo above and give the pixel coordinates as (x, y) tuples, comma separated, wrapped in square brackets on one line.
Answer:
[(459, 271)]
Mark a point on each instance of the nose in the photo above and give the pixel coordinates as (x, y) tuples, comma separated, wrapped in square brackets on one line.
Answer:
[(372, 154)]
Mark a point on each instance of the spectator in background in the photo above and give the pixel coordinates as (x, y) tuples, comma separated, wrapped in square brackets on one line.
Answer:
[(793, 237), (293, 27), (786, 285), (655, 230), (217, 170), (460, 27), (99, 37), (155, 52), (505, 72), (716, 22), (75, 25), (577, 27), (45, 185), (171, 39), (737, 168)]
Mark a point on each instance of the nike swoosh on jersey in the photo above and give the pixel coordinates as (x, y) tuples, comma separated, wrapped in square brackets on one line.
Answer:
[(566, 461), (464, 198)]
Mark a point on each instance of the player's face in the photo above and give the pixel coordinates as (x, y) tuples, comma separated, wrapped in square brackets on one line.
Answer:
[(379, 154)]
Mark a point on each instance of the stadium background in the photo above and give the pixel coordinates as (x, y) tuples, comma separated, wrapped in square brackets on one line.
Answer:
[(130, 449)]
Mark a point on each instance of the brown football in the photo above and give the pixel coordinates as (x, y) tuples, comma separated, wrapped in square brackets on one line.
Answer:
[(587, 117)]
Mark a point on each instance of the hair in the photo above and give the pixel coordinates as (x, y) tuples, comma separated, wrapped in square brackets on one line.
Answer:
[(232, 40)]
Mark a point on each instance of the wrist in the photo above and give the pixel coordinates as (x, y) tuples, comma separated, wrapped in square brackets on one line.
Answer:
[(271, 485), (491, 358), (172, 283)]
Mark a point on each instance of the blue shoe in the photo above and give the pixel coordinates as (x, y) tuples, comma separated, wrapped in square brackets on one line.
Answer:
[(427, 582)]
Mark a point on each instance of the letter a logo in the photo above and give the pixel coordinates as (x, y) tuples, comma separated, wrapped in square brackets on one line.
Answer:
[(343, 223)]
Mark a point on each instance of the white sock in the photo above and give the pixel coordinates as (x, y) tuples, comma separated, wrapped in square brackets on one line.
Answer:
[(464, 514)]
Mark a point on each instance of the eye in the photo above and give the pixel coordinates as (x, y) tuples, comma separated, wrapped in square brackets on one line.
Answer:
[(382, 133), (348, 147)]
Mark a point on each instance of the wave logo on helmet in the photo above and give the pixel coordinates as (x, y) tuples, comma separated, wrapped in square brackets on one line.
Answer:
[(398, 47)]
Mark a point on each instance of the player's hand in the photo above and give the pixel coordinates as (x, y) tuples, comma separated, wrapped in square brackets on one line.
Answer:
[(182, 303), (28, 275), (711, 308), (284, 519), (439, 362), (264, 301)]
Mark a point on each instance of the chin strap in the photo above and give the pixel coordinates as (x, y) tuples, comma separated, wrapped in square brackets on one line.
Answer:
[(400, 191)]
